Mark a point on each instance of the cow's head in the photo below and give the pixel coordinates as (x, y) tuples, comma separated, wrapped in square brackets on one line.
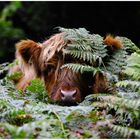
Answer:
[(46, 59)]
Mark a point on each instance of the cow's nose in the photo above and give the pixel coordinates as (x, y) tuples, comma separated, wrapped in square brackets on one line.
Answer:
[(68, 95)]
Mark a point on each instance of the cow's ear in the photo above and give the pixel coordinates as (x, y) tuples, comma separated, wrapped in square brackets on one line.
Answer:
[(28, 50), (100, 84)]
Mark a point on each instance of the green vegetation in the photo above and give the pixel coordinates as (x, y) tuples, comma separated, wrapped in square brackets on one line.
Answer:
[(8, 33), (30, 114)]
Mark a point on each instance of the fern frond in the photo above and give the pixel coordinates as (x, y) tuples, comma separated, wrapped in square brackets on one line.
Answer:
[(126, 132), (100, 52), (84, 55), (81, 40), (134, 72), (133, 60), (81, 68), (72, 34), (79, 46), (133, 66), (135, 104), (128, 83), (128, 44), (129, 94), (116, 61), (98, 46), (98, 40)]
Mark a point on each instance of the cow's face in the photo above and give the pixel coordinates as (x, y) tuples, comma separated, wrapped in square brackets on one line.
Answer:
[(45, 61), (63, 84)]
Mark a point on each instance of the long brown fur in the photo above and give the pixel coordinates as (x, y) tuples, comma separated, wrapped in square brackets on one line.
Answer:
[(27, 53), (113, 41)]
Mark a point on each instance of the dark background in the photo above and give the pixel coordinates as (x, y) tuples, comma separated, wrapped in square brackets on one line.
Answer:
[(38, 19)]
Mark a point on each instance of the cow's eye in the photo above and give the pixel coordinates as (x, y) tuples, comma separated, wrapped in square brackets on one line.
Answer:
[(49, 68)]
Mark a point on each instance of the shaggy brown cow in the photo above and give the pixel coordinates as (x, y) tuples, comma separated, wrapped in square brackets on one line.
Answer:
[(44, 61)]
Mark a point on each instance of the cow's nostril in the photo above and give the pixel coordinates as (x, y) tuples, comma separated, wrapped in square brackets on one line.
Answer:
[(62, 95), (68, 95), (74, 95)]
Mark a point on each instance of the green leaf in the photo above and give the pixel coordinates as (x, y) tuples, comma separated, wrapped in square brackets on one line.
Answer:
[(81, 68)]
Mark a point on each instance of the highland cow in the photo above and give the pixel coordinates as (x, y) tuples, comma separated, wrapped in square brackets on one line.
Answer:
[(44, 60)]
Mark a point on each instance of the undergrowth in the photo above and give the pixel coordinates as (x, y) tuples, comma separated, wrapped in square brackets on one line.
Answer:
[(31, 114)]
